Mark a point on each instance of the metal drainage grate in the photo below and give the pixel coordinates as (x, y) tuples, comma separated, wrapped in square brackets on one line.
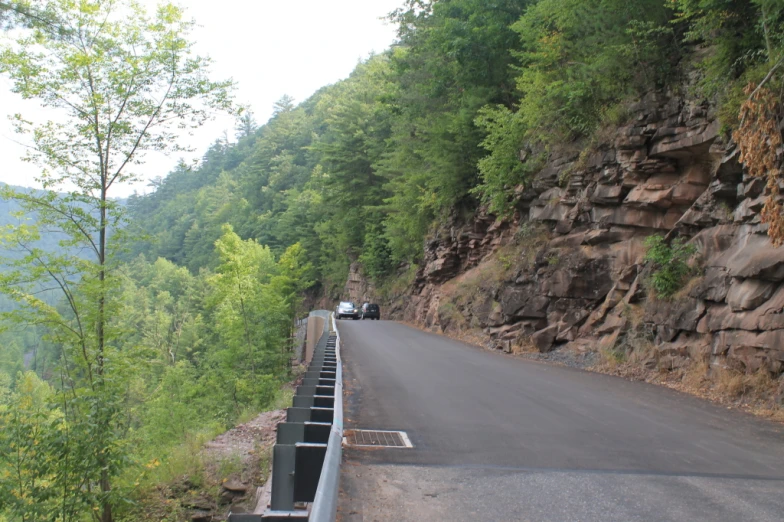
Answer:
[(376, 439)]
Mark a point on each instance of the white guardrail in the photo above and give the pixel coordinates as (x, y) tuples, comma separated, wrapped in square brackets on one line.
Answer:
[(326, 502)]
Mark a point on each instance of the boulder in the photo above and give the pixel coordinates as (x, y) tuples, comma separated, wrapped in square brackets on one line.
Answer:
[(496, 315), (569, 312), (544, 339), (682, 314), (714, 286), (672, 362), (748, 210), (687, 142), (235, 486), (509, 331), (748, 294), (729, 169), (484, 308), (514, 298), (580, 279), (607, 194), (550, 212), (613, 323), (635, 217), (694, 346), (441, 269), (724, 341), (686, 193), (767, 316), (607, 235), (751, 189), (752, 256), (198, 503), (716, 241), (202, 516), (644, 196), (536, 307)]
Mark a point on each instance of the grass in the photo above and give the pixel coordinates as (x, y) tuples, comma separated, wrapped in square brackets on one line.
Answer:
[(231, 465), (283, 399), (524, 345), (688, 286), (265, 462), (157, 491), (697, 376), (757, 391), (737, 384), (612, 357), (611, 118), (714, 379)]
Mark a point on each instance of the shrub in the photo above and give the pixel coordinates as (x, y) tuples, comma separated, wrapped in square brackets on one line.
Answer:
[(670, 264)]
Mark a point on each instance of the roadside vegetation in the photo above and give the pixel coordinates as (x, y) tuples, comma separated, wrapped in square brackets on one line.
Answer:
[(113, 364)]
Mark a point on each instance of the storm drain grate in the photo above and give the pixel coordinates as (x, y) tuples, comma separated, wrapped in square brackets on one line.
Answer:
[(376, 439)]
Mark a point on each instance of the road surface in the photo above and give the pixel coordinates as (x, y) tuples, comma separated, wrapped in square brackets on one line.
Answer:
[(499, 438)]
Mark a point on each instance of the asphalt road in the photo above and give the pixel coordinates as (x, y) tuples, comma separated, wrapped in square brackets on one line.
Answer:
[(502, 438)]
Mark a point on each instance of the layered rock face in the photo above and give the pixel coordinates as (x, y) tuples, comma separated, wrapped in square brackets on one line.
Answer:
[(584, 286)]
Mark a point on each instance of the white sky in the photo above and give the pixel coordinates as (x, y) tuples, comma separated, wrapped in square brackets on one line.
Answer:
[(269, 47)]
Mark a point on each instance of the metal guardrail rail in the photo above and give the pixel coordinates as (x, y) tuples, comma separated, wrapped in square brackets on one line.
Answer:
[(309, 447)]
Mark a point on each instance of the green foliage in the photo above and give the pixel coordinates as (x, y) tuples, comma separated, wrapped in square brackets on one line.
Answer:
[(121, 81), (46, 453), (745, 41), (247, 312), (463, 110), (670, 264), (137, 355), (506, 165), (452, 60), (580, 57), (388, 150), (376, 256), (741, 35), (183, 368), (577, 60)]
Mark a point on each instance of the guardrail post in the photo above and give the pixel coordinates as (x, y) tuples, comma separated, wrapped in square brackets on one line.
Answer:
[(307, 470), (307, 453)]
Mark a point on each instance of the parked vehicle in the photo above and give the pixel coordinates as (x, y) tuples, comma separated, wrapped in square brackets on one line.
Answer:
[(347, 309), (371, 311)]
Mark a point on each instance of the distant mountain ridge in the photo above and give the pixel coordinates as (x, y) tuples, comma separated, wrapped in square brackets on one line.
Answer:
[(49, 241)]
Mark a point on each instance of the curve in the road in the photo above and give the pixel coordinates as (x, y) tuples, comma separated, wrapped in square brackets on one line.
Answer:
[(508, 427)]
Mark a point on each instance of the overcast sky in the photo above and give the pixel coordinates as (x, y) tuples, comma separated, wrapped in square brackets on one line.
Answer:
[(270, 48)]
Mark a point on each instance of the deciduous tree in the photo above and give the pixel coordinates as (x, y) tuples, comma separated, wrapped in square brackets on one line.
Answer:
[(121, 82)]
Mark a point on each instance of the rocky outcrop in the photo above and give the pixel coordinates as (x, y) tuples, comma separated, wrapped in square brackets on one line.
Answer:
[(668, 172), (358, 288)]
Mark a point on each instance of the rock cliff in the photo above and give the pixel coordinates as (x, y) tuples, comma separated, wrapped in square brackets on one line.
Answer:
[(568, 271)]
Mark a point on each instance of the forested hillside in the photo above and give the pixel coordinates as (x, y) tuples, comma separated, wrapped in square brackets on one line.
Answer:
[(174, 319), (361, 169), (463, 109)]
